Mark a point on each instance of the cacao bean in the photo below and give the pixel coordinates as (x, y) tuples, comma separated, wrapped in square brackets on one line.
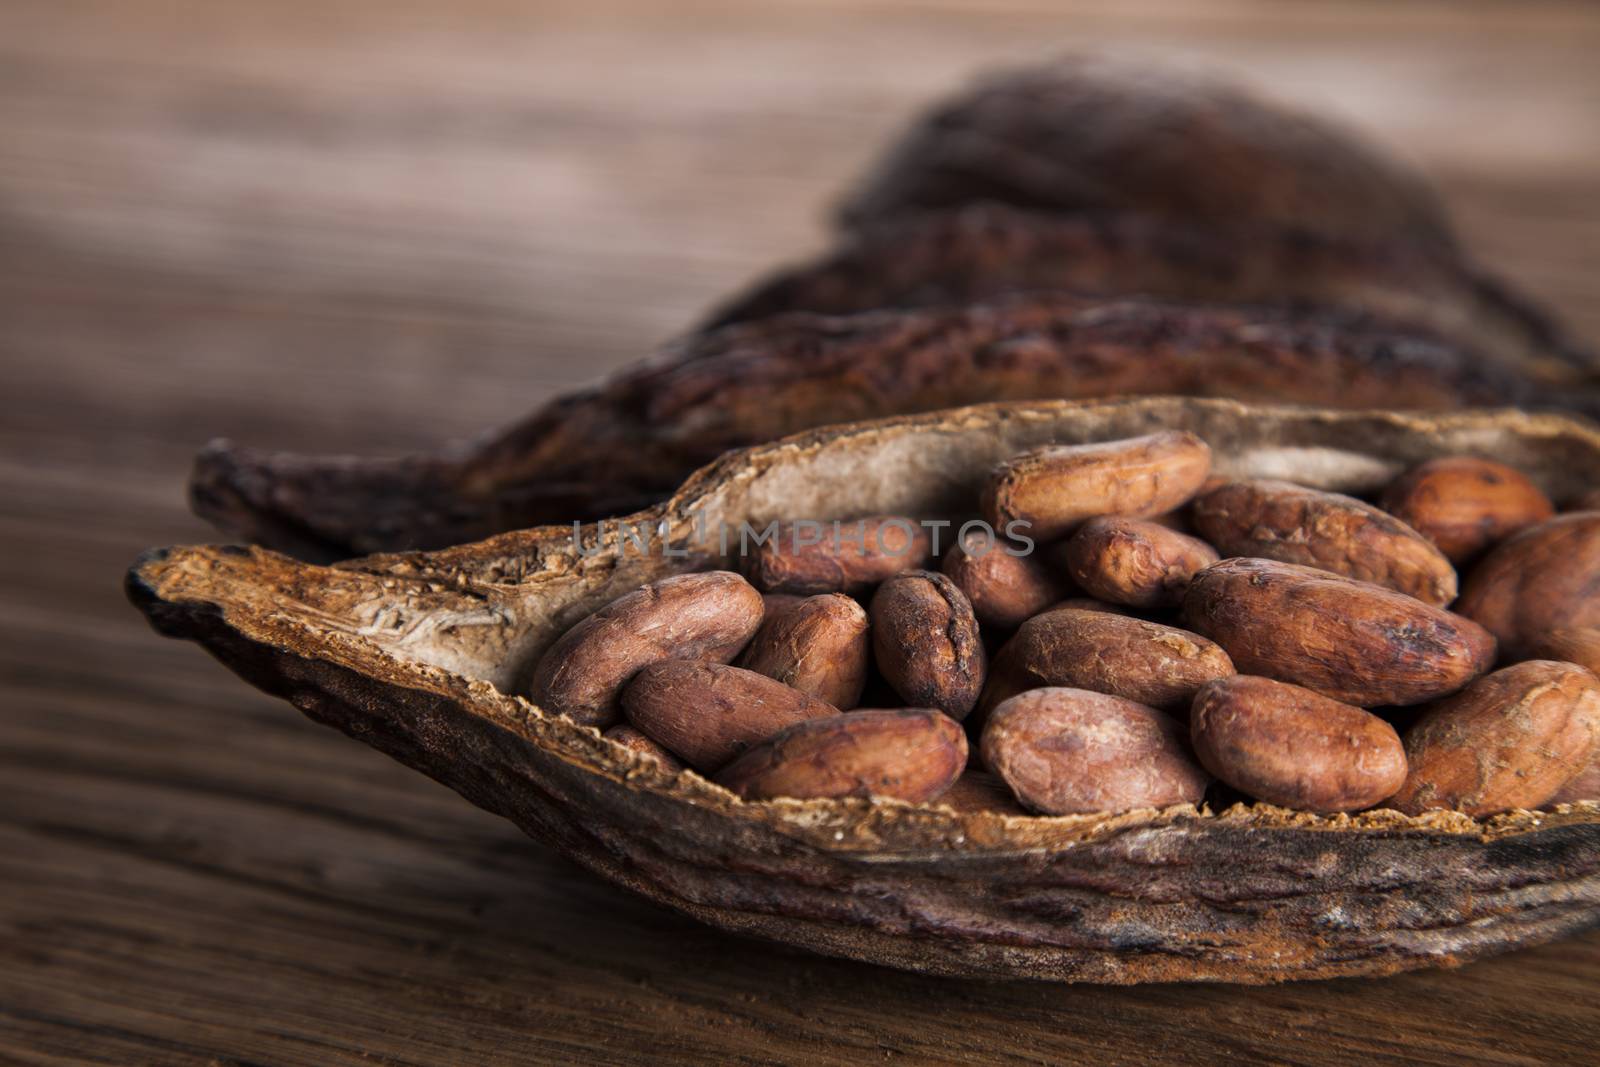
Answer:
[(1005, 586), (708, 713), (817, 645), (1056, 488), (1545, 578), (926, 641), (1293, 524), (1134, 562), (811, 558), (1512, 739), (1464, 504), (1145, 662), (1071, 751), (912, 754), (708, 616), (1356, 642), (1292, 747)]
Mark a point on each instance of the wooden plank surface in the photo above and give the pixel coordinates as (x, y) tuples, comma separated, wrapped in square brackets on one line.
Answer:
[(375, 226)]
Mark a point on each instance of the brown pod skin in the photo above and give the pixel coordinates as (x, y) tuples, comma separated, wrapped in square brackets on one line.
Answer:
[(1580, 645), (1005, 589), (1359, 643), (1589, 501), (1512, 739), (977, 791), (1536, 581), (925, 638), (1055, 488), (634, 741), (1140, 563), (1295, 748), (818, 645), (912, 754), (866, 552), (1145, 662), (1330, 531), (708, 713), (612, 449), (1464, 504), (1084, 134), (708, 616), (1071, 751)]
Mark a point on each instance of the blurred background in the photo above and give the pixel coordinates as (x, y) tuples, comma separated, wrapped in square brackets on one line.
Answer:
[(376, 226)]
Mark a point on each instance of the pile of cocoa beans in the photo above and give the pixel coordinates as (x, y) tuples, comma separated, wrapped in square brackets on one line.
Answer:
[(1121, 629)]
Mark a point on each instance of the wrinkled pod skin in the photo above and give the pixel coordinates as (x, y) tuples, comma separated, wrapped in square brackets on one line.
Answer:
[(626, 443), (1087, 133)]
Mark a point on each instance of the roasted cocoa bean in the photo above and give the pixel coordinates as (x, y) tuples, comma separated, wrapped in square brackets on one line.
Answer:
[(707, 617), (1545, 578), (634, 741), (1054, 489), (708, 713), (1356, 642), (1145, 662), (1005, 585), (1464, 504), (808, 558), (1330, 531), (1290, 746), (912, 754), (1131, 561), (1512, 739), (817, 645), (925, 638), (1067, 751)]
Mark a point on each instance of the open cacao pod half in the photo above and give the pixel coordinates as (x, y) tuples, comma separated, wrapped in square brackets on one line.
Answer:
[(422, 655)]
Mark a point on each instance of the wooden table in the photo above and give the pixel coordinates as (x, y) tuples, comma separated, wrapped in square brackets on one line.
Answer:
[(375, 226)]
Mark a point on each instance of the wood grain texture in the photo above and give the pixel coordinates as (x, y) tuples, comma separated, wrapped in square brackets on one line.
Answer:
[(370, 227)]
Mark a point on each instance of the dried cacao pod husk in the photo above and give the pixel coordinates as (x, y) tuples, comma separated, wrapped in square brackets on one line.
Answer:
[(981, 251), (417, 655), (625, 444), (1094, 134)]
